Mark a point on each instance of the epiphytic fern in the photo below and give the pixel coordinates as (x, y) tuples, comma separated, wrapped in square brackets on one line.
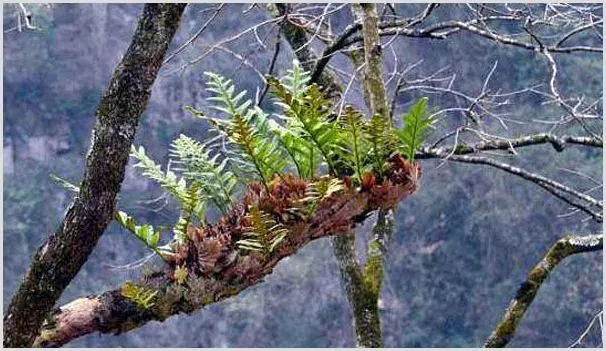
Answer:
[(167, 180), (379, 134), (247, 129), (145, 233), (317, 191), (307, 117), (254, 146), (190, 197), (197, 166), (193, 207), (416, 123), (264, 233), (141, 296), (296, 80), (300, 151), (353, 126)]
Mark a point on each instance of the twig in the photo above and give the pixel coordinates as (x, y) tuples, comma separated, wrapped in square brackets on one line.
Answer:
[(196, 35)]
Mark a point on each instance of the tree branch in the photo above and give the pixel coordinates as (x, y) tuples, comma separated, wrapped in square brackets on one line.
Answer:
[(297, 38), (196, 35), (58, 261), (528, 290), (216, 268), (552, 186), (558, 143)]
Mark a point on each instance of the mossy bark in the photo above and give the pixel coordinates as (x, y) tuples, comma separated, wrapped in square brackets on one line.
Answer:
[(60, 258), (363, 285), (528, 290), (373, 76)]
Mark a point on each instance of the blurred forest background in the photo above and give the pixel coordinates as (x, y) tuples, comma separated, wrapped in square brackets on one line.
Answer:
[(463, 243)]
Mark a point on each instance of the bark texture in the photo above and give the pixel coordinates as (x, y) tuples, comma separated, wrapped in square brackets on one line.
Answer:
[(60, 258), (528, 290), (211, 266), (373, 77), (363, 284)]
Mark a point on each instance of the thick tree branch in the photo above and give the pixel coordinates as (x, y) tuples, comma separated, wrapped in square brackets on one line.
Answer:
[(216, 268), (58, 261), (528, 290)]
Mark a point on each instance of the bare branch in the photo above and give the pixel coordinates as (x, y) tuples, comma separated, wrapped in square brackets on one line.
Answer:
[(552, 186)]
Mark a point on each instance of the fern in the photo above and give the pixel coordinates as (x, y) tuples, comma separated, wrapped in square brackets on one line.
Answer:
[(352, 124), (167, 180), (306, 117), (198, 167), (416, 122), (139, 295), (246, 129), (297, 80), (181, 274), (145, 232), (319, 190), (193, 206), (300, 151), (378, 133), (264, 234), (224, 91)]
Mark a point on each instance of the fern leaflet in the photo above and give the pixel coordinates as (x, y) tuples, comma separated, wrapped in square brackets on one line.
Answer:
[(416, 123), (264, 234)]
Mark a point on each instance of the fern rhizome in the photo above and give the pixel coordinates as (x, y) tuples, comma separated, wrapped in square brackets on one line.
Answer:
[(298, 174)]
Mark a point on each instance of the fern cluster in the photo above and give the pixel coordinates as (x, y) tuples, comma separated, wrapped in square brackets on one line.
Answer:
[(303, 137), (246, 129), (318, 190)]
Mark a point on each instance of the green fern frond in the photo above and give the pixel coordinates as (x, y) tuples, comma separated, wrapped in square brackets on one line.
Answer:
[(416, 123), (256, 151), (264, 234), (167, 180), (352, 125), (296, 80), (297, 148), (306, 116), (145, 233), (197, 166), (316, 191), (378, 133), (194, 206), (224, 91)]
